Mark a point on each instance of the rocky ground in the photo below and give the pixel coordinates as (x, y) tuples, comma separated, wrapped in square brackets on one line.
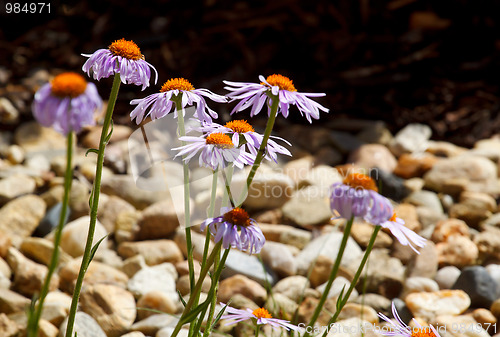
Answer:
[(446, 193)]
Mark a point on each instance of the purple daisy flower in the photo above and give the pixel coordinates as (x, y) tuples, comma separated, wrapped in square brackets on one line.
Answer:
[(236, 229), (243, 134), (67, 103), (217, 149), (358, 196), (122, 57), (162, 103), (401, 329), (259, 316), (255, 95), (405, 236)]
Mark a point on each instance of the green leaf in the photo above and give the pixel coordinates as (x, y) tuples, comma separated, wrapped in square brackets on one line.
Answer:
[(194, 313), (182, 300), (155, 311), (108, 137), (95, 247), (338, 305), (96, 151), (217, 318)]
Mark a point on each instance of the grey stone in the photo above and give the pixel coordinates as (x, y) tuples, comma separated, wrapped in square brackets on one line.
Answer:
[(402, 310), (473, 170), (391, 185), (15, 186), (51, 220), (20, 217), (308, 206), (249, 266), (478, 284), (385, 275), (327, 245), (412, 138), (85, 326), (427, 199), (418, 284), (279, 258), (161, 277), (447, 276), (152, 324)]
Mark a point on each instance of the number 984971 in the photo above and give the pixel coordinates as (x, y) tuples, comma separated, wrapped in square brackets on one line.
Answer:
[(27, 8)]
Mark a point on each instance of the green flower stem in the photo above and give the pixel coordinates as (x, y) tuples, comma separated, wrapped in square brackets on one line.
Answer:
[(345, 297), (229, 179), (94, 203), (34, 317), (262, 148), (256, 330), (211, 211), (213, 291), (197, 289), (333, 273), (213, 195), (187, 209), (228, 189), (217, 264)]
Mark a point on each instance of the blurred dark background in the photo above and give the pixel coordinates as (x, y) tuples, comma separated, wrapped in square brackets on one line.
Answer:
[(401, 61)]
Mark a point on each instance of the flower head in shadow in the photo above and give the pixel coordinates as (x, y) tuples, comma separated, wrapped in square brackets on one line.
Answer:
[(67, 103)]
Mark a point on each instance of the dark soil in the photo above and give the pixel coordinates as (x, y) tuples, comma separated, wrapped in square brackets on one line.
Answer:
[(402, 61)]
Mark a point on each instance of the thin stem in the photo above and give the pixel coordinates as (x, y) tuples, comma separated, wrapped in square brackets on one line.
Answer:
[(211, 211), (213, 196), (229, 178), (94, 204), (197, 289), (262, 149), (187, 210), (333, 273), (34, 318), (345, 298), (256, 330), (213, 291), (228, 189)]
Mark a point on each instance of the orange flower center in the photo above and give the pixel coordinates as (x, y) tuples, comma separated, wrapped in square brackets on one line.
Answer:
[(358, 180), (282, 82), (239, 217), (220, 140), (68, 85), (177, 84), (422, 332), (393, 218), (127, 49), (262, 313), (239, 126)]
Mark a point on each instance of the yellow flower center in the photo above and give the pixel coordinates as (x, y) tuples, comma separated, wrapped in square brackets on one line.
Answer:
[(358, 180), (262, 313), (177, 84), (239, 126), (68, 85), (422, 332), (220, 140), (282, 82), (239, 216), (127, 49)]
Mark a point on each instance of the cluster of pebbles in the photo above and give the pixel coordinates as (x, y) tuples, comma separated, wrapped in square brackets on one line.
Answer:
[(446, 193)]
